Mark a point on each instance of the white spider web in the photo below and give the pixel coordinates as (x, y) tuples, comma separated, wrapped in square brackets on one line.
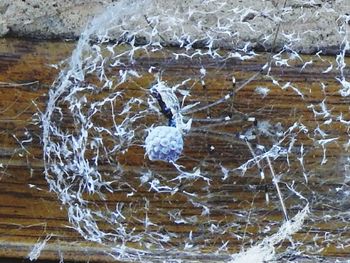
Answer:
[(99, 110)]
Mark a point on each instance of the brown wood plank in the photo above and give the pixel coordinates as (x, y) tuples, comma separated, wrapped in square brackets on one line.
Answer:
[(29, 214)]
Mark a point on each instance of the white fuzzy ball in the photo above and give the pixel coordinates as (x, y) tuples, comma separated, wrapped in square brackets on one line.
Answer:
[(164, 143)]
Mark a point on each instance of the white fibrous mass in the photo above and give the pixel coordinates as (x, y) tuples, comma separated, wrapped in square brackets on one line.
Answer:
[(164, 143), (131, 184)]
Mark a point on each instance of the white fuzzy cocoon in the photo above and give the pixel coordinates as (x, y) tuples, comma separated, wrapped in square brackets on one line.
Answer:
[(164, 143)]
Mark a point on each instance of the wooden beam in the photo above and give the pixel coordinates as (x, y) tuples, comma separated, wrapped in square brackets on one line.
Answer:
[(29, 212)]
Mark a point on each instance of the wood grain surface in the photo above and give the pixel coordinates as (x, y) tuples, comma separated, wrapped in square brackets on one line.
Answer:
[(29, 212)]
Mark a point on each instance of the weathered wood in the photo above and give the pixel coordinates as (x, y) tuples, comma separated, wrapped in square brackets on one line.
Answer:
[(29, 212)]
